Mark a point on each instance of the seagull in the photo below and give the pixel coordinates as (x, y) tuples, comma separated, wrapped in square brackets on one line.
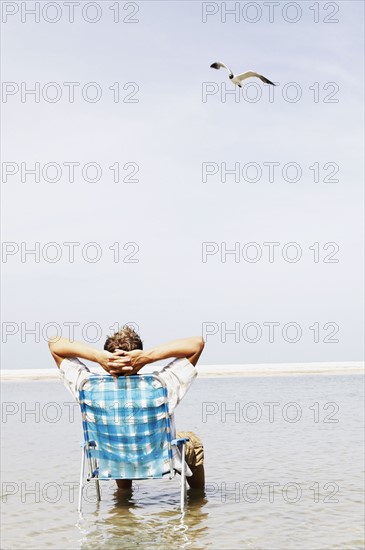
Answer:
[(236, 79)]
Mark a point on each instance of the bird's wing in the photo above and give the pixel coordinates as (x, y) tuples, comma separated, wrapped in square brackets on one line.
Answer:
[(243, 76), (220, 65)]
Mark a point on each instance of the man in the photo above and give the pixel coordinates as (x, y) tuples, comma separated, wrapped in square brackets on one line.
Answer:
[(123, 354)]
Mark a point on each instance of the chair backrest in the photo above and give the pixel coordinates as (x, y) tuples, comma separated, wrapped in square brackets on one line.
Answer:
[(127, 418)]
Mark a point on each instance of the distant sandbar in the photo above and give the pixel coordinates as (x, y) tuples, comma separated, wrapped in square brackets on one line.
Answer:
[(214, 371)]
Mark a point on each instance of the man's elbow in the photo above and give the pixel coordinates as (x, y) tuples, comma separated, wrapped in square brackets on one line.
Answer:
[(199, 343), (52, 342)]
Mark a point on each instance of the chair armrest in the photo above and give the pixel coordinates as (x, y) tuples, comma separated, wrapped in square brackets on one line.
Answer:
[(180, 441)]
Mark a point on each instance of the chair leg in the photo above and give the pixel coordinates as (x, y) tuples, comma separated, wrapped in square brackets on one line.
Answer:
[(97, 483), (81, 484), (182, 441), (183, 481)]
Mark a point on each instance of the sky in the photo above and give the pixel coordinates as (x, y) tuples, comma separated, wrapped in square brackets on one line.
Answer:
[(231, 214)]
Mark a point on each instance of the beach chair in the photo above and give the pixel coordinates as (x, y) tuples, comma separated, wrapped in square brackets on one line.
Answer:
[(128, 432)]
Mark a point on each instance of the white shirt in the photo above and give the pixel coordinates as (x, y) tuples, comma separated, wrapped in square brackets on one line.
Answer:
[(177, 375)]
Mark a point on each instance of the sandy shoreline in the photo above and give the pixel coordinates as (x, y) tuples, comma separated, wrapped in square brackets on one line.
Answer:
[(214, 371)]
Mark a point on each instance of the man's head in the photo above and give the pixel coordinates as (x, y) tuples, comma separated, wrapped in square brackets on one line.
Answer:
[(126, 339)]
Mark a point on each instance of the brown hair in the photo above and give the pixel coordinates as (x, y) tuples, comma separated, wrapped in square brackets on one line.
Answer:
[(126, 339)]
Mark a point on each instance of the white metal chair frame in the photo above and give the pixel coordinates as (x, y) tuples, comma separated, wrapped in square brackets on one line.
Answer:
[(93, 463)]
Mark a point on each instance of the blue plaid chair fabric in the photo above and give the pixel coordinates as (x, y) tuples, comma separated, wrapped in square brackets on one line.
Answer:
[(127, 429)]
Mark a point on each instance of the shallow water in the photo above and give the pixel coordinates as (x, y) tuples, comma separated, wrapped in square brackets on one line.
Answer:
[(285, 474)]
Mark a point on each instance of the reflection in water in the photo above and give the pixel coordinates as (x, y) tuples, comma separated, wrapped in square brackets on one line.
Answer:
[(147, 518)]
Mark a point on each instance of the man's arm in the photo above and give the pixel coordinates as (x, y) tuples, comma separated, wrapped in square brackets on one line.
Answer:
[(62, 348), (132, 361)]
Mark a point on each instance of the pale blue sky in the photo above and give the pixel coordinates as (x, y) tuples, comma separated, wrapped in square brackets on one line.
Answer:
[(170, 212)]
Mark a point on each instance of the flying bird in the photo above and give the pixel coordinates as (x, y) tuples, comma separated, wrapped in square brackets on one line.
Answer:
[(237, 79)]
